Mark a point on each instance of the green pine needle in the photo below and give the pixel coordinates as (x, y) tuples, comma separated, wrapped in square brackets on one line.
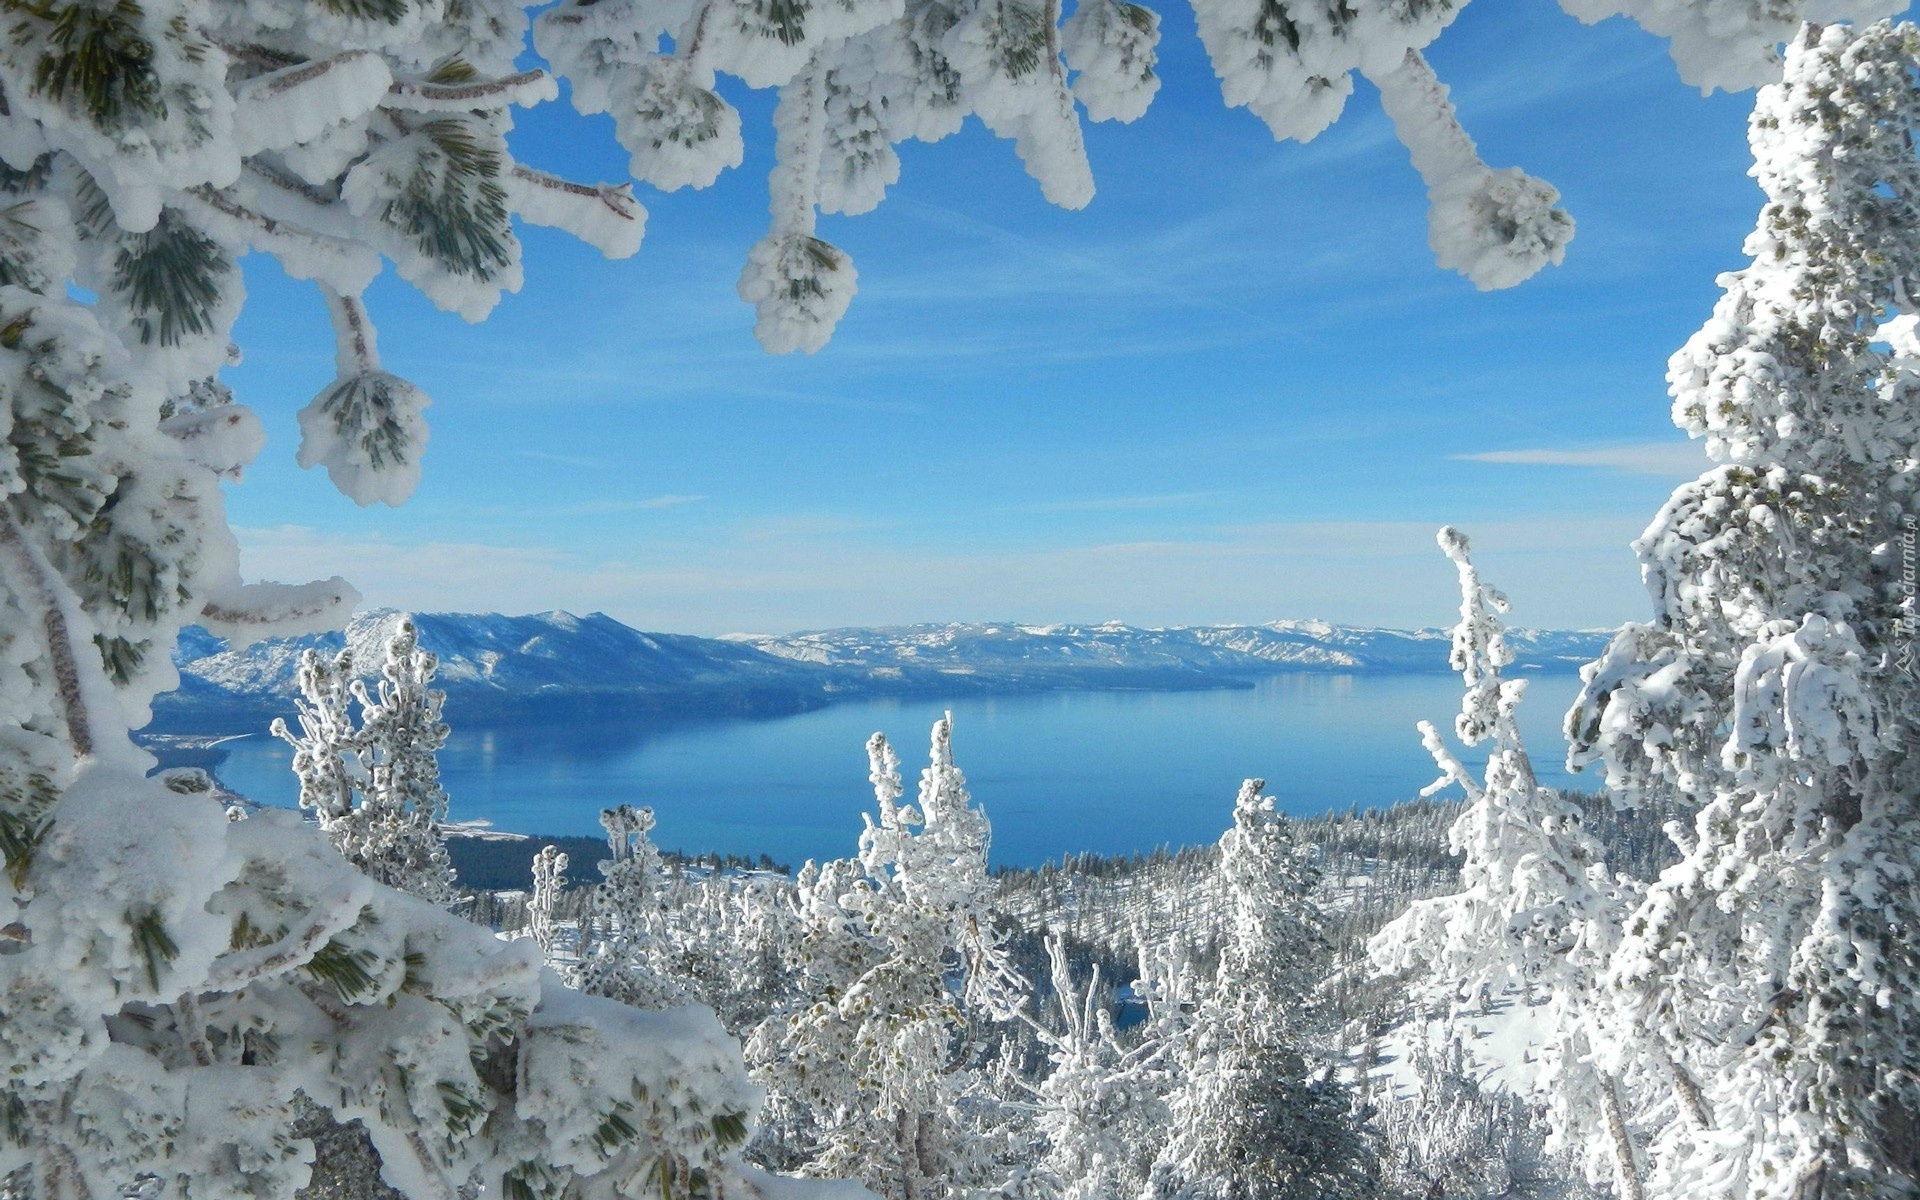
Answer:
[(345, 970), (170, 279), (19, 838), (455, 210), (386, 11), (96, 57), (156, 946), (614, 1132), (730, 1128)]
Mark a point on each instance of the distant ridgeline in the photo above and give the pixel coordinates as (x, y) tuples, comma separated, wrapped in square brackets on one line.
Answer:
[(557, 665)]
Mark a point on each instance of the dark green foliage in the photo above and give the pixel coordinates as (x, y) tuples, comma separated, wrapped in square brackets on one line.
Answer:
[(452, 70), (614, 1131), (785, 20), (20, 838), (824, 258), (362, 409), (388, 11), (345, 970), (1274, 24), (27, 795), (96, 57), (1027, 31), (17, 233), (122, 658), (124, 572), (730, 1129), (170, 279), (534, 1180), (453, 207), (156, 946), (501, 864)]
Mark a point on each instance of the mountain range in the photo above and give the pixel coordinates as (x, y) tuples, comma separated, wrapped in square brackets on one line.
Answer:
[(558, 665)]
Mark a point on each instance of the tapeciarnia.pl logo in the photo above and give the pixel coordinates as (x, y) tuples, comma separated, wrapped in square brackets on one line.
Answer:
[(1906, 650)]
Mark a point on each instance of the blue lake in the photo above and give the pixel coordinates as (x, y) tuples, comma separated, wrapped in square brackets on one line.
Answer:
[(1109, 772)]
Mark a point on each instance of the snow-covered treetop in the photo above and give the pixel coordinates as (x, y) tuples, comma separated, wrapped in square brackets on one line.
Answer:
[(930, 860)]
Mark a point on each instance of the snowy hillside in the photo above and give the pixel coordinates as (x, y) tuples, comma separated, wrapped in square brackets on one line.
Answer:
[(1221, 651), (559, 664), (493, 665)]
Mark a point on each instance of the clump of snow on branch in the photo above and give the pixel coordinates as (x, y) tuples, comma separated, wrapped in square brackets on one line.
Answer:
[(366, 428), (1496, 227), (1112, 47)]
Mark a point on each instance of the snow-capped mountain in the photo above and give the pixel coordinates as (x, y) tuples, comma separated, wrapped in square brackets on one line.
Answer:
[(1215, 651), (559, 664), (494, 666)]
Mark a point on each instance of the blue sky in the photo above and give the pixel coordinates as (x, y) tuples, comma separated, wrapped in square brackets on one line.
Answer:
[(1235, 388)]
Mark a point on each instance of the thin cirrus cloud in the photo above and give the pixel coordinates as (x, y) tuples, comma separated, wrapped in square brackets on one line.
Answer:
[(650, 503), (1564, 571), (1674, 460), (1117, 503)]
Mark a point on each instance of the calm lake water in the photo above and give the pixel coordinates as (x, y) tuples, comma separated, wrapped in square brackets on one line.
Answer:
[(1058, 773)]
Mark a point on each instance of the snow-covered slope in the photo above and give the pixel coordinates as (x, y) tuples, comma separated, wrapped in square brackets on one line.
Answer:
[(493, 665), (1236, 651), (558, 664)]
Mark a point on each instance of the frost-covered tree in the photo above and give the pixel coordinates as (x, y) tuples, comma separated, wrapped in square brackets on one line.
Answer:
[(1252, 1118), (1536, 911), (543, 901), (899, 958), (624, 941), (373, 786), (1099, 1110), (1777, 962), (1459, 1139)]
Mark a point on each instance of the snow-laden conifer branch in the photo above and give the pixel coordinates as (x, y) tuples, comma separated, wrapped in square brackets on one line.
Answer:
[(1498, 228)]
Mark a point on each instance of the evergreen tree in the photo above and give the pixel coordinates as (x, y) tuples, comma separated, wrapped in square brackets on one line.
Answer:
[(1776, 962), (375, 788), (867, 1071), (1100, 1111), (624, 940), (1252, 1119), (543, 902), (1536, 911)]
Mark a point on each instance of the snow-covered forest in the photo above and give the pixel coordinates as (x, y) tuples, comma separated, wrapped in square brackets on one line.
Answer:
[(203, 1002)]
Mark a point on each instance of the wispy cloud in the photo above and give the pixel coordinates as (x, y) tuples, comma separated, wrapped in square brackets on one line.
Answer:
[(1115, 503), (580, 462), (1680, 460), (593, 508), (805, 525), (814, 572)]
